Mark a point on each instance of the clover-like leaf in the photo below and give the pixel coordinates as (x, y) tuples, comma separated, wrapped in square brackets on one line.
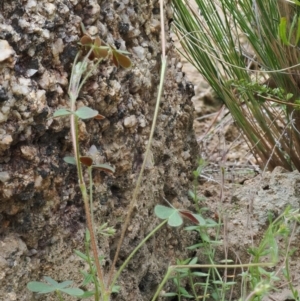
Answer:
[(172, 214), (86, 160), (163, 212), (73, 291), (120, 59), (51, 281), (70, 160), (62, 112), (175, 220), (40, 287), (64, 284), (86, 113), (105, 167), (43, 288)]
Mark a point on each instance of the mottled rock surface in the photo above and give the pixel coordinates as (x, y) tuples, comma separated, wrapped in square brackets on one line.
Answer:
[(41, 212)]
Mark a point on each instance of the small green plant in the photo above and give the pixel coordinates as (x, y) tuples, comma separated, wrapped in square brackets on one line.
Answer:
[(281, 229), (207, 281), (53, 286), (189, 275), (257, 279), (81, 69), (93, 52)]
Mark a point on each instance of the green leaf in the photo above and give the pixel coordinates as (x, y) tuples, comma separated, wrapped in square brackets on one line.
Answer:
[(40, 287), (185, 293), (282, 31), (193, 261), (200, 219), (115, 289), (81, 255), (289, 96), (72, 291), (172, 214), (226, 261), (216, 243), (88, 278), (51, 281), (176, 281), (183, 262), (87, 236), (169, 294), (218, 282), (64, 284), (175, 220), (70, 160), (86, 113), (87, 294), (196, 246), (200, 274), (204, 237), (104, 167), (192, 195), (163, 212), (211, 222), (62, 112), (191, 228)]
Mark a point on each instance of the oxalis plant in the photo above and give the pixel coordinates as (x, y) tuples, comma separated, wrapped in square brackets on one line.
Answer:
[(93, 52)]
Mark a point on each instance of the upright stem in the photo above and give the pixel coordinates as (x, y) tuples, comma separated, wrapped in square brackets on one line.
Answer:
[(93, 238), (75, 85), (87, 209)]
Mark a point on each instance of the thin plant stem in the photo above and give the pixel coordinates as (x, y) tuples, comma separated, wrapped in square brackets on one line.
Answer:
[(192, 285), (76, 84), (90, 171), (95, 280), (93, 238)]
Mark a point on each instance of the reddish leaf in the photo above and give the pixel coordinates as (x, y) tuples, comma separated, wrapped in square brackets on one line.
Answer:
[(121, 59), (115, 61), (85, 160), (99, 52), (99, 117), (105, 167), (189, 215), (87, 43)]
